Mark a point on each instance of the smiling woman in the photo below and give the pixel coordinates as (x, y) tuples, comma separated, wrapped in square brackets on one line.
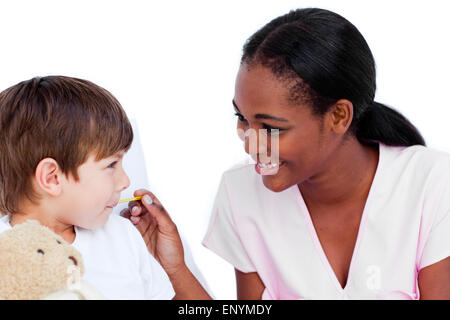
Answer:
[(348, 168), (358, 209)]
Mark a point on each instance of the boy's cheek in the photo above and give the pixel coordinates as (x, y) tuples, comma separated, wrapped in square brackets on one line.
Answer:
[(86, 204), (81, 208)]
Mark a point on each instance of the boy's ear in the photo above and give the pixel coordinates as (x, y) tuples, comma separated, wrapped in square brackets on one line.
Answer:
[(48, 176)]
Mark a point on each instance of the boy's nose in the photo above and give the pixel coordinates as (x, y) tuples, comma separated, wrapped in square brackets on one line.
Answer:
[(124, 181)]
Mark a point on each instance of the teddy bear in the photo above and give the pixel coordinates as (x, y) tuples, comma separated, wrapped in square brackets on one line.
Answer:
[(36, 263)]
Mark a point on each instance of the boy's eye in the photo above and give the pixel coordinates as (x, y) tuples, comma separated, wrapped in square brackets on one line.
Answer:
[(113, 164)]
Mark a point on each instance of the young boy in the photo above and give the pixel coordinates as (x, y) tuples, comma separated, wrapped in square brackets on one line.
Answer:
[(62, 144)]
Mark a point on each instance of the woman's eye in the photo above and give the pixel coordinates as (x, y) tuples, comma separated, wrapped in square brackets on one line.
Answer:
[(265, 126), (270, 128), (240, 116)]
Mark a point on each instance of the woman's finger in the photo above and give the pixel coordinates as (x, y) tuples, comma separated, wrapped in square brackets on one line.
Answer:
[(157, 211), (144, 224), (125, 213), (136, 211), (135, 220), (135, 208), (140, 192)]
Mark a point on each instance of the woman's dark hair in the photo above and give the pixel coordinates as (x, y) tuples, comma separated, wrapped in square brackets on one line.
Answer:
[(329, 60)]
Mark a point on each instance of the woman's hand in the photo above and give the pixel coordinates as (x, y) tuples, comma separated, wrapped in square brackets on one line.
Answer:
[(164, 243), (158, 230)]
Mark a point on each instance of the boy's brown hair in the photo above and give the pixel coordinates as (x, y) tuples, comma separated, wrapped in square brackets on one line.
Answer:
[(63, 118)]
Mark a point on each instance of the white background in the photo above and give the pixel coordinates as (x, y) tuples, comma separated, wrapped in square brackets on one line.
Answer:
[(172, 65)]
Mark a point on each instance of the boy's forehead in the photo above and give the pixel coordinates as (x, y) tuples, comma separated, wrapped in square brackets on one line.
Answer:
[(120, 153), (93, 156)]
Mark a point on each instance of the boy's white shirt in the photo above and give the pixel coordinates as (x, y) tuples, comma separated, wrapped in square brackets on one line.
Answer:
[(117, 262)]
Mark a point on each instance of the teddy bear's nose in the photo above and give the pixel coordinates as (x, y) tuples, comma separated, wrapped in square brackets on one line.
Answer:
[(74, 260)]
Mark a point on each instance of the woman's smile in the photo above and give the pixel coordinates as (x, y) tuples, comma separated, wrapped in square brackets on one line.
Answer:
[(268, 169)]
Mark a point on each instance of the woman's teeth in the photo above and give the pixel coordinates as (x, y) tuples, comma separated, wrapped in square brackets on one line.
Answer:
[(266, 169), (269, 166)]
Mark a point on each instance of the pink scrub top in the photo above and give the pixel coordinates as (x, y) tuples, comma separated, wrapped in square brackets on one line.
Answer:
[(405, 226)]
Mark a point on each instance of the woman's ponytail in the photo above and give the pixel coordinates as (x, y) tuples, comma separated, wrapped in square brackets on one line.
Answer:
[(382, 123)]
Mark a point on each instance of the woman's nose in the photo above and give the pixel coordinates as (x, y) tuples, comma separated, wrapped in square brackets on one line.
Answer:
[(255, 144)]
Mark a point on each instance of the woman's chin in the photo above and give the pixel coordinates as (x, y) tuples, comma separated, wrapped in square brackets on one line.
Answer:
[(274, 184)]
